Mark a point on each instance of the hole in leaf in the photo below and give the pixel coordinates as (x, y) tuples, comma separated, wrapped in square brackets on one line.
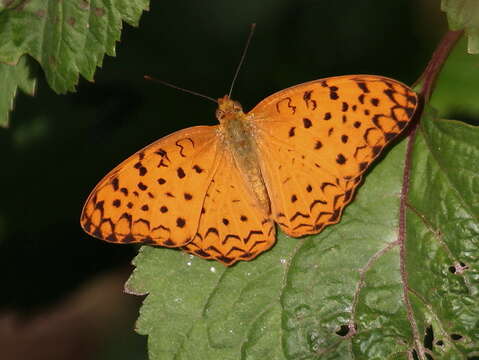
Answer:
[(347, 330), (458, 268), (343, 331), (415, 357), (440, 343), (456, 337), (429, 338)]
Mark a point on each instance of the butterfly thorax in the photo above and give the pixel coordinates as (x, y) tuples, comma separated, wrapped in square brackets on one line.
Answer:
[(238, 139)]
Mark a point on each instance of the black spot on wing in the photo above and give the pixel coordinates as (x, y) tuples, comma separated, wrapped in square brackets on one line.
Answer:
[(324, 185), (316, 202), (115, 182), (347, 195), (291, 132), (128, 239), (340, 159), (169, 243), (251, 233), (308, 101), (198, 169), (230, 236), (299, 214), (307, 123), (180, 172), (180, 222), (363, 86), (99, 206), (335, 215), (376, 149), (390, 135)]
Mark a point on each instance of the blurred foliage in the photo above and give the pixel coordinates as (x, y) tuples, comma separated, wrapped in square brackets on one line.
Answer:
[(464, 15), (12, 78), (66, 38), (456, 95)]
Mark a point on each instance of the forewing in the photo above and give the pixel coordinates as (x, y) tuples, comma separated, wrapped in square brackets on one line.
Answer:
[(156, 195), (317, 139)]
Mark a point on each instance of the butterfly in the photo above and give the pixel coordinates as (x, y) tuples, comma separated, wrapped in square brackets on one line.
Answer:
[(217, 192)]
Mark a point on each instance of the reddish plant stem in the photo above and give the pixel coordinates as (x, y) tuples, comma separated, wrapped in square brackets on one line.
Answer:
[(439, 57), (427, 80)]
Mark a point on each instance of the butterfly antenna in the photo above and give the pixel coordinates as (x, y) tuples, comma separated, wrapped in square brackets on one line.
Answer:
[(147, 77), (245, 50)]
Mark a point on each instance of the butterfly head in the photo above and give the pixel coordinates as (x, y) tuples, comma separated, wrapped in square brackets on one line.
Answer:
[(228, 109)]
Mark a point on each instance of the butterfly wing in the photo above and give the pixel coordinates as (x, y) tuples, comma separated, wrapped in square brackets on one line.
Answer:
[(317, 139), (232, 226), (156, 195)]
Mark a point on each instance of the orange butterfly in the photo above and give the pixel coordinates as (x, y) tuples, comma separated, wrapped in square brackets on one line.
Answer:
[(217, 191)]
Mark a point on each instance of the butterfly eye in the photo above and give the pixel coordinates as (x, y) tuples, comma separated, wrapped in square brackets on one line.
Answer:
[(219, 114), (237, 107)]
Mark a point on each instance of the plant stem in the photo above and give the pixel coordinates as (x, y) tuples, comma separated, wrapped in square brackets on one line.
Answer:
[(439, 57), (427, 81)]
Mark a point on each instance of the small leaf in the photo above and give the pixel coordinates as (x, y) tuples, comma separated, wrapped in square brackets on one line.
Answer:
[(464, 14), (67, 38), (13, 77)]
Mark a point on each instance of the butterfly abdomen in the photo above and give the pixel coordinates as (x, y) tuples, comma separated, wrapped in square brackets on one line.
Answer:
[(238, 141)]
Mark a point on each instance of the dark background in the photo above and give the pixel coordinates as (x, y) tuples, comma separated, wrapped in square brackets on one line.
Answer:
[(60, 285)]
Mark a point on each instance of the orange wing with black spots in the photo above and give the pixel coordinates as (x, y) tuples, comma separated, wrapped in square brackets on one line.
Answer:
[(295, 159), (156, 195), (232, 226), (318, 138)]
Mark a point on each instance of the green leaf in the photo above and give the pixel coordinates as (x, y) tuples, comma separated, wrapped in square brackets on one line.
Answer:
[(464, 14), (443, 235), (355, 291), (13, 77), (456, 93), (67, 37)]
